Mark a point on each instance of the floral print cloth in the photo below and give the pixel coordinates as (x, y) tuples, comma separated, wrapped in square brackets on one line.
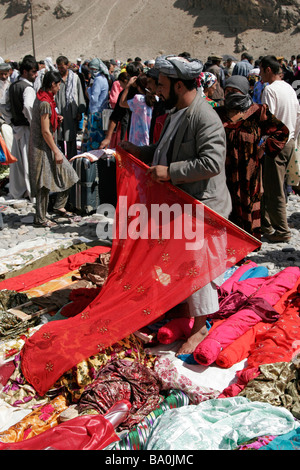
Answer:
[(171, 379), (140, 120), (79, 377), (123, 380), (37, 422)]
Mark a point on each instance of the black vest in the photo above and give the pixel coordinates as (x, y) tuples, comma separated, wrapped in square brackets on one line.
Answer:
[(16, 91)]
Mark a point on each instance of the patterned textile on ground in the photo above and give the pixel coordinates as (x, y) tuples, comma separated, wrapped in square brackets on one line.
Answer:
[(289, 441), (11, 327), (170, 378), (220, 424), (279, 344), (37, 422), (256, 444), (18, 392), (10, 348), (137, 437), (76, 379), (277, 384), (123, 380)]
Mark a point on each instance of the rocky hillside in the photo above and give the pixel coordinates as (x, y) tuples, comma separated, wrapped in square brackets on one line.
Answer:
[(240, 15), (127, 28)]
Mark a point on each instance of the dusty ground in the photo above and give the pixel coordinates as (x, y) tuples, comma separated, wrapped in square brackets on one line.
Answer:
[(127, 28)]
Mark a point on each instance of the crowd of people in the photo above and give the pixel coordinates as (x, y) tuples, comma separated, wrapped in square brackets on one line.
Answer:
[(224, 131)]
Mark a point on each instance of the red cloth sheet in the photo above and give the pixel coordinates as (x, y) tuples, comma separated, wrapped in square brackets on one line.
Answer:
[(53, 271), (92, 432), (150, 272)]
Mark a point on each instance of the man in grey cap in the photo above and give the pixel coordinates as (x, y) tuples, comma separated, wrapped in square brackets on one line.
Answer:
[(191, 155)]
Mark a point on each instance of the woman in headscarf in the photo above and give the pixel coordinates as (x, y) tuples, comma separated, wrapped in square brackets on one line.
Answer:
[(208, 82), (251, 131), (98, 94), (49, 170)]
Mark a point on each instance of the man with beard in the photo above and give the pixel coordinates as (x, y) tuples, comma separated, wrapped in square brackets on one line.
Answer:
[(191, 155)]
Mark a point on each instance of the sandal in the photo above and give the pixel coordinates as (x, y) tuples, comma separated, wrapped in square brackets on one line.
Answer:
[(47, 223), (61, 213)]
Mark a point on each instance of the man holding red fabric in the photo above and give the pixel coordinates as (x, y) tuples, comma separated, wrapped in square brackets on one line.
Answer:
[(191, 155)]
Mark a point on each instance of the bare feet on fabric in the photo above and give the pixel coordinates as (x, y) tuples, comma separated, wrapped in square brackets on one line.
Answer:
[(199, 332)]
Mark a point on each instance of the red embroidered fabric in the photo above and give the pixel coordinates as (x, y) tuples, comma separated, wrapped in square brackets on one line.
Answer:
[(154, 266)]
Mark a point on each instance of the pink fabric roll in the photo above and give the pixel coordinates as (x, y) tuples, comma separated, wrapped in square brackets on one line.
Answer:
[(236, 276), (207, 352), (178, 328)]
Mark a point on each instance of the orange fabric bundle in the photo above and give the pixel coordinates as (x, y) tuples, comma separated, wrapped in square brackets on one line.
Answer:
[(9, 157), (37, 422), (241, 347)]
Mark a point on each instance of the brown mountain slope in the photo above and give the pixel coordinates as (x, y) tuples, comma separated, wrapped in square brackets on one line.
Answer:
[(127, 28)]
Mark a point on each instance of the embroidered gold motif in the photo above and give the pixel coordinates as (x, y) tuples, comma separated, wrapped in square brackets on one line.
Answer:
[(47, 335), (165, 257), (140, 289), (85, 316), (196, 288), (147, 311), (127, 287), (49, 367), (103, 330), (193, 272)]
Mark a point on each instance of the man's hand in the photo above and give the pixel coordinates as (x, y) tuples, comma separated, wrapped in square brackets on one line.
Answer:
[(104, 144), (159, 173)]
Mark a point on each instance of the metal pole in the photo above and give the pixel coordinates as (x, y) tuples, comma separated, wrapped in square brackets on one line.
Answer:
[(32, 32)]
